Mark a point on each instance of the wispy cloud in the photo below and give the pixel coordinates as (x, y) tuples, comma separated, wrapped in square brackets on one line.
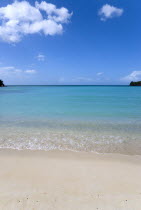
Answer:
[(99, 73), (108, 11), (30, 71), (7, 68), (134, 76), (61, 79), (21, 18), (40, 57), (82, 79), (7, 71)]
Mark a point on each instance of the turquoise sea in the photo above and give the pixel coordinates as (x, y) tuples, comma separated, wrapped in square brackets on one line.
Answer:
[(103, 119)]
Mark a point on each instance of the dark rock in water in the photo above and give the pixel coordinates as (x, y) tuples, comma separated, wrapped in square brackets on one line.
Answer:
[(135, 83), (1, 83)]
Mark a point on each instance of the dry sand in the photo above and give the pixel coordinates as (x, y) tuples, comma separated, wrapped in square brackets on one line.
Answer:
[(69, 181)]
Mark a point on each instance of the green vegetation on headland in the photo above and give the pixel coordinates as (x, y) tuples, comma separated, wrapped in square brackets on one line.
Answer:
[(135, 83), (1, 83)]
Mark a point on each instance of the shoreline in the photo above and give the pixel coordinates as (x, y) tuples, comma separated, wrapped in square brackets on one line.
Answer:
[(70, 153), (69, 180)]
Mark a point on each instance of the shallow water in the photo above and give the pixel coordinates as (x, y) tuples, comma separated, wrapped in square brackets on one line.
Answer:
[(104, 119)]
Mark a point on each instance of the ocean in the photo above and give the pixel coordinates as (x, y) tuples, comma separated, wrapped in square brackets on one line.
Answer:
[(101, 119)]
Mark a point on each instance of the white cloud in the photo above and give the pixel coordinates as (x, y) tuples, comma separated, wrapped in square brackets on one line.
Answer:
[(99, 73), (58, 15), (134, 76), (30, 71), (108, 11), (40, 57), (21, 18), (6, 71)]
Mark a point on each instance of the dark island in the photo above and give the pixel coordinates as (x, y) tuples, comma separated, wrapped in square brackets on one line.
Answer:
[(1, 83), (135, 83)]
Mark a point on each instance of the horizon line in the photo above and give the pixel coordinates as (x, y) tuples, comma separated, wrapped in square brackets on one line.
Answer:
[(69, 85)]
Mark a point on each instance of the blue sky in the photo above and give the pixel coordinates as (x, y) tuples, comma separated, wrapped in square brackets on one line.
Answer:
[(85, 42)]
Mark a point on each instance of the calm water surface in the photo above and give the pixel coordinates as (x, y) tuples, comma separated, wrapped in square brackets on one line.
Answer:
[(104, 119)]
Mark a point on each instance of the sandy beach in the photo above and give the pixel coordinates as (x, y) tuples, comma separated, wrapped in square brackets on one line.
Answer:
[(70, 105), (67, 180)]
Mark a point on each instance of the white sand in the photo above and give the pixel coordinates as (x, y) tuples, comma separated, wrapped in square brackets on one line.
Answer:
[(69, 181)]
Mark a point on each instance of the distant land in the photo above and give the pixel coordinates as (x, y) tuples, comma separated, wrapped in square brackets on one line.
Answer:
[(138, 83), (1, 83), (135, 83)]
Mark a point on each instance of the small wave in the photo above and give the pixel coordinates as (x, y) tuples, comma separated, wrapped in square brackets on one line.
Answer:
[(71, 141)]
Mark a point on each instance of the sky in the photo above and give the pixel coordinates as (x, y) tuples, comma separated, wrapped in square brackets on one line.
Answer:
[(69, 42)]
